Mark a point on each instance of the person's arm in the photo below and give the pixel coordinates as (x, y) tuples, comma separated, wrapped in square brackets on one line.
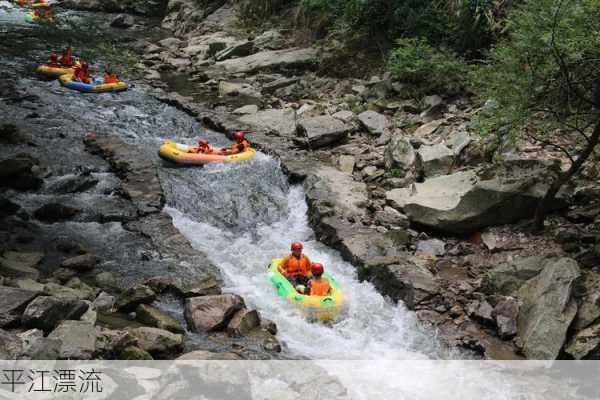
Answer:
[(308, 271), (281, 267)]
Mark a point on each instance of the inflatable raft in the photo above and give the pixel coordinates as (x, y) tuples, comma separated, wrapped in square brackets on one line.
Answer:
[(320, 308), (178, 153), (48, 70), (97, 85), (33, 18)]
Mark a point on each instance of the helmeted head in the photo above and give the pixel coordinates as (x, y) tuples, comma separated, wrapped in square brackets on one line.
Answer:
[(53, 56), (297, 248), (316, 269), (202, 143), (84, 65), (239, 136)]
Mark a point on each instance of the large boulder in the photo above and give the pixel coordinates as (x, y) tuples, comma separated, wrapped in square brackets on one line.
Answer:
[(153, 317), (547, 309), (400, 156), (243, 322), (323, 130), (269, 60), (508, 277), (20, 264), (84, 262), (72, 184), (158, 342), (375, 123), (55, 212), (134, 296), (467, 201), (38, 347), (505, 314), (240, 49), (12, 304), (78, 339), (10, 345), (18, 173), (46, 312), (436, 159), (585, 345), (243, 92), (588, 293), (281, 122), (210, 313)]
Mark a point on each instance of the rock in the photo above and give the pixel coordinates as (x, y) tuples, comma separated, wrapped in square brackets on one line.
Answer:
[(269, 60), (547, 309), (63, 275), (249, 109), (72, 184), (54, 212), (134, 353), (240, 49), (147, 8), (7, 207), (481, 310), (432, 101), (20, 264), (122, 21), (153, 317), (279, 121), (279, 84), (271, 40), (158, 342), (210, 313), (323, 130), (37, 347), (466, 201), (375, 123), (427, 129), (104, 302), (505, 313), (589, 302), (90, 316), (106, 280), (12, 304), (184, 287), (243, 322), (134, 296), (87, 292), (17, 173), (585, 345), (78, 340), (434, 247), (46, 312), (360, 90), (399, 155), (208, 355), (268, 326), (391, 218), (28, 284), (10, 345), (436, 159), (56, 290), (346, 163), (508, 277), (112, 342), (345, 116), (458, 142), (244, 91), (82, 263)]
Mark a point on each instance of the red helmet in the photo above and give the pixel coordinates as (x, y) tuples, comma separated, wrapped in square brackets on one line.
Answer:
[(297, 246), (239, 136), (316, 268), (202, 142)]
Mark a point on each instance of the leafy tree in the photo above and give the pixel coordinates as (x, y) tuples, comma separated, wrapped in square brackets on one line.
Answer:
[(545, 82)]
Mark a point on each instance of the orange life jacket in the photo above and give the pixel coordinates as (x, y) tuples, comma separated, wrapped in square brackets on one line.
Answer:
[(110, 78), (237, 148), (293, 266), (319, 287)]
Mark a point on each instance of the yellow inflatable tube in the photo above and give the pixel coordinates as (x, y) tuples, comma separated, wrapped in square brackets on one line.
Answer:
[(178, 153)]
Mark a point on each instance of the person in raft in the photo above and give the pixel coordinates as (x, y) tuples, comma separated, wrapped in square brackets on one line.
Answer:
[(82, 74), (201, 147), (317, 286), (53, 60), (240, 145), (110, 77), (66, 58), (296, 266)]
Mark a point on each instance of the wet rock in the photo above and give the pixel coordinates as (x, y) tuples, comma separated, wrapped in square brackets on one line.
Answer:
[(46, 312), (55, 212), (375, 123), (268, 326), (400, 156), (134, 353), (391, 218), (158, 342), (346, 163), (10, 345), (323, 130), (243, 322), (585, 345), (466, 201), (147, 8), (153, 317), (18, 173), (210, 313), (37, 347), (269, 60), (13, 302), (434, 247), (104, 302), (436, 159), (184, 287), (249, 109), (279, 84), (106, 280), (82, 263), (7, 207), (281, 122), (508, 277), (505, 314), (547, 309), (20, 264), (78, 340), (134, 296), (122, 21)]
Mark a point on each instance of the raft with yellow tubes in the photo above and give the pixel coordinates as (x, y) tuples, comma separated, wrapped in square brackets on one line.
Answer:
[(178, 153), (320, 308), (97, 85), (48, 70)]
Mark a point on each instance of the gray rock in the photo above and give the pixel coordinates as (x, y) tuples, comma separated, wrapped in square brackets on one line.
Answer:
[(20, 265), (55, 212), (153, 317), (12, 304), (134, 296), (82, 263), (240, 49), (244, 91), (547, 309), (46, 312), (269, 60), (208, 355), (27, 284), (400, 155), (249, 109), (346, 163), (345, 116), (391, 218), (505, 313), (436, 159), (106, 280), (72, 184), (122, 21), (323, 130), (279, 121), (589, 302), (158, 342), (87, 292), (243, 322), (37, 347), (78, 339), (18, 173), (210, 313), (434, 247), (10, 345), (508, 277), (481, 310), (458, 142), (279, 84), (427, 129), (585, 345), (375, 123), (271, 40), (104, 302), (65, 292), (432, 101)]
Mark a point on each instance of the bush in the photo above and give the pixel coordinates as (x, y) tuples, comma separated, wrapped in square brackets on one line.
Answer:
[(426, 69)]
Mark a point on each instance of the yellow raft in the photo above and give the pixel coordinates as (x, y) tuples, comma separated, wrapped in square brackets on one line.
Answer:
[(48, 70), (320, 308), (97, 85), (178, 153)]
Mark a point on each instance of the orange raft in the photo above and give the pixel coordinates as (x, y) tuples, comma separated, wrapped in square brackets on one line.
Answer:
[(178, 153)]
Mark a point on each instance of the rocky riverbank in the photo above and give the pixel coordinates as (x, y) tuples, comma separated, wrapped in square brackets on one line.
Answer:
[(404, 189)]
